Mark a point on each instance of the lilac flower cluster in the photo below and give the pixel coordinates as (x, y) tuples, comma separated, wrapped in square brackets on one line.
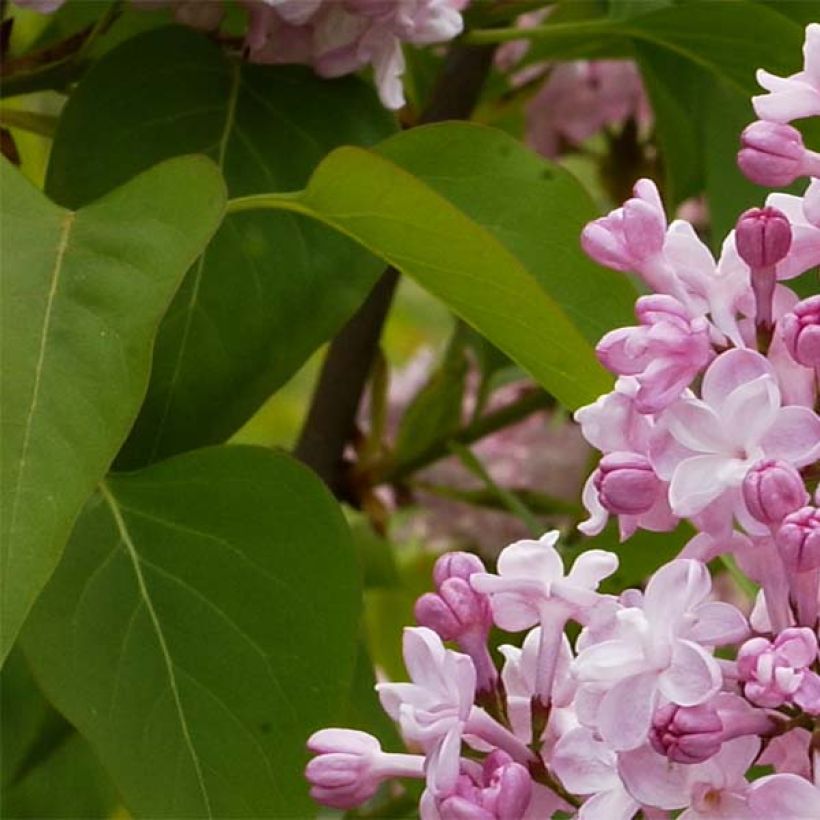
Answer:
[(335, 37), (667, 698)]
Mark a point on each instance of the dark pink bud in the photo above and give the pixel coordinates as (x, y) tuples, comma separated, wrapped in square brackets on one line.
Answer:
[(456, 565), (510, 791), (798, 540), (773, 489), (763, 237), (801, 332), (456, 608), (626, 483), (503, 793), (772, 154), (686, 734)]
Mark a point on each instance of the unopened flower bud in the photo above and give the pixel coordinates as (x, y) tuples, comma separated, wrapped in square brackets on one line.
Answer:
[(504, 792), (801, 332), (763, 237), (456, 565), (798, 540), (350, 766), (773, 489), (456, 608), (459, 613), (776, 672), (686, 734), (773, 154), (626, 483)]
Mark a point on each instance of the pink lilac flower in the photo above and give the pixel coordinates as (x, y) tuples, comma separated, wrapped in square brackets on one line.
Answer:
[(432, 710), (658, 650), (587, 765), (785, 797), (797, 96), (716, 788), (673, 261), (436, 710), (664, 353), (531, 588), (704, 447), (350, 766), (579, 99), (778, 672), (338, 37), (501, 790), (614, 425)]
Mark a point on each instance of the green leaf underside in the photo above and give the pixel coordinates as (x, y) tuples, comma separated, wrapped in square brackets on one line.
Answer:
[(202, 624), (83, 294), (271, 287), (456, 258)]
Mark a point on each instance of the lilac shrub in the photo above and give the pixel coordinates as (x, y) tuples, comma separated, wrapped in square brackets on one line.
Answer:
[(666, 699)]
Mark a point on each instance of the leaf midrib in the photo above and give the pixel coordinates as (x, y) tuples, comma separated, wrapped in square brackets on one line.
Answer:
[(62, 245), (128, 543)]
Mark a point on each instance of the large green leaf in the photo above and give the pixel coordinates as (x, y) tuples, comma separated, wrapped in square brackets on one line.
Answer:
[(534, 208), (203, 622), (271, 287), (83, 294), (475, 258)]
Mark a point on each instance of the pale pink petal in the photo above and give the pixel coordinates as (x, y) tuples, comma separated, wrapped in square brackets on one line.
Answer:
[(717, 623), (532, 559), (625, 711), (615, 804), (750, 410), (730, 370), (674, 589), (794, 436), (598, 515), (609, 661), (666, 452), (692, 677), (343, 740), (696, 483), (591, 567), (424, 657), (803, 254), (697, 426), (584, 764), (653, 780), (735, 758), (442, 765), (785, 797), (789, 753)]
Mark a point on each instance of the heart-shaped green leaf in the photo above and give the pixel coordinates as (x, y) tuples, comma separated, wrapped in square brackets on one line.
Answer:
[(83, 295), (203, 622)]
